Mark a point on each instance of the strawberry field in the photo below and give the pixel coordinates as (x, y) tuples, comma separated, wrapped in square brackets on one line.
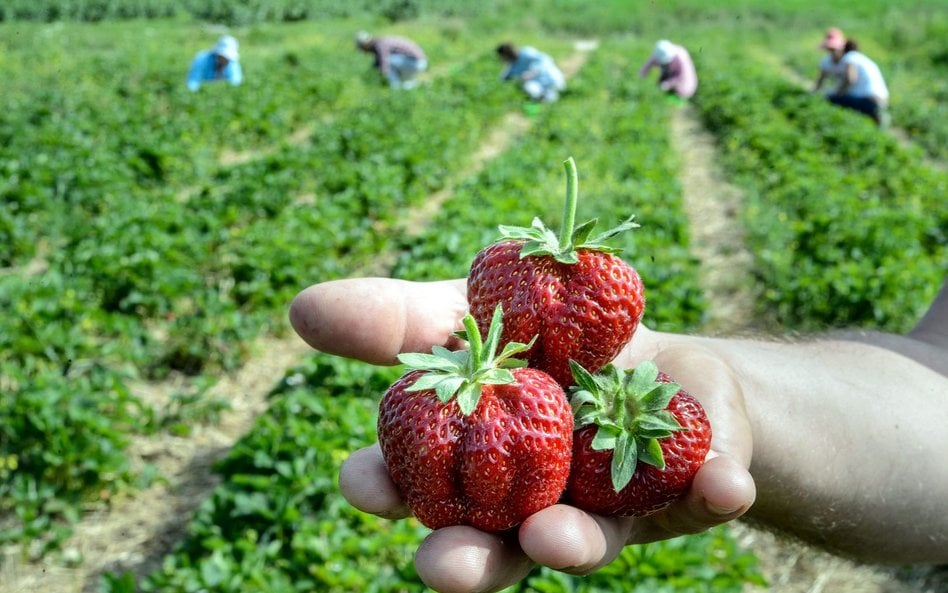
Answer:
[(151, 238)]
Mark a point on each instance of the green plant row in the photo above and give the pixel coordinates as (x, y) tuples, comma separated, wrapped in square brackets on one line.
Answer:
[(122, 126), (245, 11), (185, 284), (278, 522), (908, 43), (625, 167), (847, 228)]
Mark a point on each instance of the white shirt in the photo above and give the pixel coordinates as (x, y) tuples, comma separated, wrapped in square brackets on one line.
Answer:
[(869, 81)]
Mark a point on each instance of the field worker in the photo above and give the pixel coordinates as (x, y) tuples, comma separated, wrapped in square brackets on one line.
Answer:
[(221, 62), (838, 440), (862, 88), (831, 67), (541, 79), (400, 60), (678, 76)]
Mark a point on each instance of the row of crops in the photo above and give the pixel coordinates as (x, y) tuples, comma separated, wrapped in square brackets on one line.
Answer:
[(843, 222), (299, 520), (297, 533), (245, 11), (134, 280), (133, 247)]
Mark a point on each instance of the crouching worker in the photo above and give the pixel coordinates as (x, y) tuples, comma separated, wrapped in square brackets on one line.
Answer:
[(218, 63), (398, 59), (678, 76), (541, 79)]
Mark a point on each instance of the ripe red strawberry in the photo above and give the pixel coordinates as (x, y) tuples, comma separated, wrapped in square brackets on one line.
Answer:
[(469, 441), (572, 293), (639, 441)]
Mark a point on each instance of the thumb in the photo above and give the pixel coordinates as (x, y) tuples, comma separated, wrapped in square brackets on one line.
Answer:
[(375, 319)]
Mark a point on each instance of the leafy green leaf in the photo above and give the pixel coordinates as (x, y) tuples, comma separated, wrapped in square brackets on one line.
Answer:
[(624, 461), (448, 386), (606, 437), (660, 396), (426, 382), (467, 397), (663, 421), (651, 453), (643, 377), (426, 362), (584, 379)]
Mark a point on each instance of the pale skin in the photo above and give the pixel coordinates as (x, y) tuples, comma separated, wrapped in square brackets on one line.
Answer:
[(839, 440)]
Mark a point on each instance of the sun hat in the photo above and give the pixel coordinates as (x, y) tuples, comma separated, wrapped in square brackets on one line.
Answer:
[(227, 48), (363, 37), (664, 51), (834, 39)]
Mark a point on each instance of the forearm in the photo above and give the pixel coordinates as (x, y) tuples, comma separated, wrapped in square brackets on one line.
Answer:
[(849, 445)]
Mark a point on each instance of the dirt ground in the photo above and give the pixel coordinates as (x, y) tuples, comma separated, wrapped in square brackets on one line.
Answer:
[(135, 532)]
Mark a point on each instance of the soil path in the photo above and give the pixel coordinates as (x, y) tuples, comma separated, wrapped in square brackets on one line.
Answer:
[(135, 532), (138, 530), (713, 208)]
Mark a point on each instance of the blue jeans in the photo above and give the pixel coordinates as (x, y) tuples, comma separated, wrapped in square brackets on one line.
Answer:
[(403, 69)]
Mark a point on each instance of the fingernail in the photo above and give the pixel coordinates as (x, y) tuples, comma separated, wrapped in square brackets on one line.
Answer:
[(720, 510)]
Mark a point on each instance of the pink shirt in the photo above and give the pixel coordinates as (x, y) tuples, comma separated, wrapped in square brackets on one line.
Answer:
[(678, 75)]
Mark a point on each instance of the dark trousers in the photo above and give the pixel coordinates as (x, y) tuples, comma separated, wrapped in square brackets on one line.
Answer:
[(866, 105)]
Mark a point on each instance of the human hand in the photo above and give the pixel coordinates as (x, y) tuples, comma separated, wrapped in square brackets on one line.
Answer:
[(375, 319)]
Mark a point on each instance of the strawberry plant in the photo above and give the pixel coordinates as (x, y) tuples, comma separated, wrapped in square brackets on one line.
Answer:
[(844, 223)]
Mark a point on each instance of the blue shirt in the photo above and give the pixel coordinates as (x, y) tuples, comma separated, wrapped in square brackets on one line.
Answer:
[(203, 69), (533, 63)]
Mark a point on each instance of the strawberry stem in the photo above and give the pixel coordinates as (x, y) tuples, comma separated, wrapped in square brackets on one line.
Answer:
[(475, 344), (540, 240), (569, 213)]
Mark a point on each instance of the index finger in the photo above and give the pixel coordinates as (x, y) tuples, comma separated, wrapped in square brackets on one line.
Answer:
[(375, 319)]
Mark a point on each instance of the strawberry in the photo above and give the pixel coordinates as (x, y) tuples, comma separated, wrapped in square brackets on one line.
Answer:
[(639, 441), (470, 438), (580, 300)]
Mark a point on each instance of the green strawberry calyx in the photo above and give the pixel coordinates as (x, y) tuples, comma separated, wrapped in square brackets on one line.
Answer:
[(462, 373), (630, 409), (540, 240)]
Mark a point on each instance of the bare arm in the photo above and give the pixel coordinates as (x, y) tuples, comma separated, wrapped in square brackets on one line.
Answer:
[(849, 446), (849, 79), (647, 66)]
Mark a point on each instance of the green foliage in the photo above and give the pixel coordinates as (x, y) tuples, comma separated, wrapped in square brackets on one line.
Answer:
[(61, 439), (708, 563), (278, 521), (148, 267), (146, 230), (846, 225), (237, 12)]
